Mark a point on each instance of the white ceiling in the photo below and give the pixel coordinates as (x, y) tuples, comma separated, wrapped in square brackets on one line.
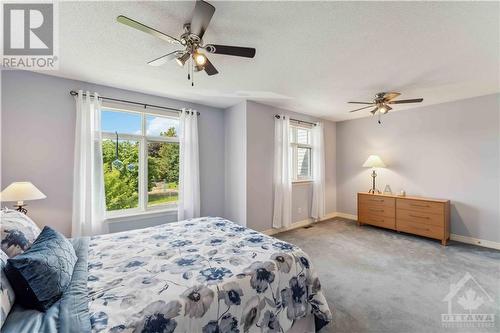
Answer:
[(312, 57)]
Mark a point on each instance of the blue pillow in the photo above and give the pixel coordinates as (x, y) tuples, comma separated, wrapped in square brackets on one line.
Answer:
[(40, 275)]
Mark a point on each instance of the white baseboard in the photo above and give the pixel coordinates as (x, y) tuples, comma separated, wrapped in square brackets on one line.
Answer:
[(329, 216), (294, 225), (306, 222), (475, 241), (346, 216)]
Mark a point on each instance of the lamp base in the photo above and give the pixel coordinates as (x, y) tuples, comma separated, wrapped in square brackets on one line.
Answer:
[(374, 190), (20, 208)]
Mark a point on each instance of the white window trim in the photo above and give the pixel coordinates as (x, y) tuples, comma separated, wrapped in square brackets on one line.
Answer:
[(294, 146), (302, 181), (142, 210), (130, 216)]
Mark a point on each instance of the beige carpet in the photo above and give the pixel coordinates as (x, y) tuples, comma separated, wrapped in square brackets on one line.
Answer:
[(377, 280)]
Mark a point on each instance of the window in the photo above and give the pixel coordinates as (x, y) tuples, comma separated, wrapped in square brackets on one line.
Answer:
[(301, 152), (141, 166)]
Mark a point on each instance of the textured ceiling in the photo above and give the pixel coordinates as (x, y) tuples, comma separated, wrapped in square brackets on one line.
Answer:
[(312, 57)]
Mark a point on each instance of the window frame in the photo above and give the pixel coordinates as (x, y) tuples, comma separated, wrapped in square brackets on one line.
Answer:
[(143, 139), (294, 146)]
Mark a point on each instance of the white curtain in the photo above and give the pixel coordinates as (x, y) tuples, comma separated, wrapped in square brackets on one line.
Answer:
[(318, 149), (189, 168), (282, 212), (88, 178)]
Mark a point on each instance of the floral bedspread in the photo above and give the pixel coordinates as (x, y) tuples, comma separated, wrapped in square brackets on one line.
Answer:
[(205, 275)]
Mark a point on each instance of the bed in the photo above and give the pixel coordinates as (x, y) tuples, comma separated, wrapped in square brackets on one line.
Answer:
[(205, 275)]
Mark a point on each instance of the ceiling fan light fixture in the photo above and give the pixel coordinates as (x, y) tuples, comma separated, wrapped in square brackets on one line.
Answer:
[(200, 59), (181, 60), (384, 109)]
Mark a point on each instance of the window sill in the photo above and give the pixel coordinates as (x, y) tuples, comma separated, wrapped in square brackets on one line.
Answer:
[(130, 216), (302, 182)]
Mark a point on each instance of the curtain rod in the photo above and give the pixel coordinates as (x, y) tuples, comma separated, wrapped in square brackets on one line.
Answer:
[(297, 120), (74, 93)]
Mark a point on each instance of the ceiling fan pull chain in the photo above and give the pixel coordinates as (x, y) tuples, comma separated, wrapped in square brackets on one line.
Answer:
[(192, 74), (379, 117)]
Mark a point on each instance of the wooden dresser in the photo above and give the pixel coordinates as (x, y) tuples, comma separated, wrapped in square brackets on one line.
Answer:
[(420, 216)]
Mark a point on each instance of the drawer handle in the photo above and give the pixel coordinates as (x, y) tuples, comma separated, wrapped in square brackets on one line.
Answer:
[(415, 205), (377, 200), (420, 217)]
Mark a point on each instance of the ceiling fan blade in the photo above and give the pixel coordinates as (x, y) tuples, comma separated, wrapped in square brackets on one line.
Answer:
[(371, 103), (390, 95), (403, 101), (164, 58), (366, 107), (202, 14), (144, 28), (238, 51), (210, 69)]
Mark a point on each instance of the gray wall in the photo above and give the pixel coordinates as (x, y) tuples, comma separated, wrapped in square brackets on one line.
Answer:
[(448, 151), (235, 129), (38, 123), (260, 155)]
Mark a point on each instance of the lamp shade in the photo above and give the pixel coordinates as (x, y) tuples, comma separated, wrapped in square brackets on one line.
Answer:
[(21, 191), (374, 161)]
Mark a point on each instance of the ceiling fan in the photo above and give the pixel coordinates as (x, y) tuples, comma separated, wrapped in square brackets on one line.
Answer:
[(382, 100), (191, 42)]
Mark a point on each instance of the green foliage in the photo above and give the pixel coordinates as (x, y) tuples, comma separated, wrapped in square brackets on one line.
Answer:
[(163, 161), (122, 186), (161, 198)]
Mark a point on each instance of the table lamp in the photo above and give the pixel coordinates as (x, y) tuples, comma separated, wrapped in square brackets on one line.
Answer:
[(373, 162), (20, 192)]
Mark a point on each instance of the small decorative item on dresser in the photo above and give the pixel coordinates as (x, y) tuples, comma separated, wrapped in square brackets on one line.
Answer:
[(402, 193), (20, 192), (373, 162), (387, 189)]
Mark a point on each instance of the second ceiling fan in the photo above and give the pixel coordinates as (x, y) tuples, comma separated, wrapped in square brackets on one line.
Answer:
[(382, 100), (381, 103), (192, 42)]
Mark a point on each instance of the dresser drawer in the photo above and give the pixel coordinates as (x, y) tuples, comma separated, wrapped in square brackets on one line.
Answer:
[(379, 221), (421, 217), (417, 228), (378, 210), (367, 200), (421, 206)]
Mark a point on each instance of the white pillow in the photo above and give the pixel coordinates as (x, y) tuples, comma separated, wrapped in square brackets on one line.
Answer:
[(18, 232), (7, 296)]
